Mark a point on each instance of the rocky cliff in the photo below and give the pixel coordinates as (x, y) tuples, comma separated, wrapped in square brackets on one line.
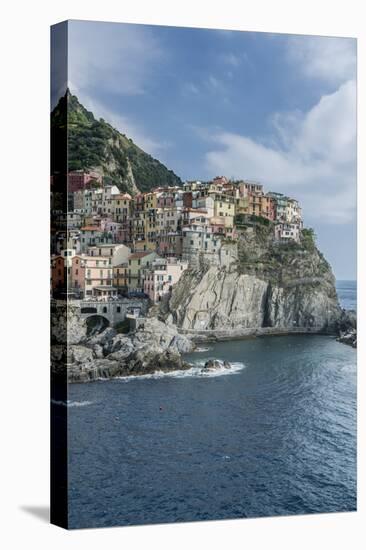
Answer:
[(285, 286), (152, 347)]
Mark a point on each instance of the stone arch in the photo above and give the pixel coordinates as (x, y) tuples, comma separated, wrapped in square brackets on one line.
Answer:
[(96, 324)]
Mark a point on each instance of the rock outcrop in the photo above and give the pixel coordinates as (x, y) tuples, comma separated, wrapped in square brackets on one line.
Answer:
[(349, 338), (215, 364), (347, 326), (289, 286), (152, 347)]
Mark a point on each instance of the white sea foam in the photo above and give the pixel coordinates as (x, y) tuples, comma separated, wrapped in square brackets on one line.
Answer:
[(69, 403), (195, 371)]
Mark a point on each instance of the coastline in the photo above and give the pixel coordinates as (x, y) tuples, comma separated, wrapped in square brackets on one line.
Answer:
[(155, 345), (152, 361)]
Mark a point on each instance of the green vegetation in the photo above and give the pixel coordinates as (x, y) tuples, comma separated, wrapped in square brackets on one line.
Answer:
[(279, 262), (260, 220), (244, 220), (96, 144), (308, 238)]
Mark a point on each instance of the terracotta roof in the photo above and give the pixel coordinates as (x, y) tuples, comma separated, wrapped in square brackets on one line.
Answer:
[(90, 228)]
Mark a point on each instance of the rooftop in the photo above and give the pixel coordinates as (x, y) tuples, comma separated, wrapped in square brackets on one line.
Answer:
[(137, 255), (90, 228)]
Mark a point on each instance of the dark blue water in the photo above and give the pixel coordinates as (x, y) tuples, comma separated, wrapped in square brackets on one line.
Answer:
[(276, 437), (347, 294)]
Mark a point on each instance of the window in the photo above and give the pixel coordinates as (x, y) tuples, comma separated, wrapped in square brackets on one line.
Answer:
[(118, 309)]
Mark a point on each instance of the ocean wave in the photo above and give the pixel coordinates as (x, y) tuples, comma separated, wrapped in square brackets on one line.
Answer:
[(195, 371), (200, 349), (69, 403)]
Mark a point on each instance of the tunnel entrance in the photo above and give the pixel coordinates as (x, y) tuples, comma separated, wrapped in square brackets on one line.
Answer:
[(96, 324)]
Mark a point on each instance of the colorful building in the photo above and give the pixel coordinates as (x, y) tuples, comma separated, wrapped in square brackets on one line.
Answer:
[(161, 277), (137, 264)]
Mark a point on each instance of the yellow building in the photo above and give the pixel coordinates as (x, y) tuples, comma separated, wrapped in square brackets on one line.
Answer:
[(151, 200), (224, 205), (121, 207), (130, 275), (139, 230), (242, 205)]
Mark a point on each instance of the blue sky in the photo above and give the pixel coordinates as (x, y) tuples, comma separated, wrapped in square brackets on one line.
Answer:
[(280, 109)]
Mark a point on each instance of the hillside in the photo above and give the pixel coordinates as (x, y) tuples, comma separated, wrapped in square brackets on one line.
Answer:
[(95, 145)]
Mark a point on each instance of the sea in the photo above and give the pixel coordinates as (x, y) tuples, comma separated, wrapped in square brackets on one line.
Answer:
[(347, 294), (275, 434)]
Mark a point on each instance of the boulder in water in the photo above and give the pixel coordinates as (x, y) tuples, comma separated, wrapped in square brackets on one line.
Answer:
[(215, 364)]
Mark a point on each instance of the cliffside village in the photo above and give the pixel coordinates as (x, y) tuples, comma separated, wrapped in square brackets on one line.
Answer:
[(112, 245)]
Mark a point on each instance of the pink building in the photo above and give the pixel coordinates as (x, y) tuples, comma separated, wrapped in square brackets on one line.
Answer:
[(169, 243), (114, 228), (165, 200), (163, 274), (220, 180), (79, 180)]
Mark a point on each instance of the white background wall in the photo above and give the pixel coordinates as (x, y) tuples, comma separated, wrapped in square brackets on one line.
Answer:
[(24, 353)]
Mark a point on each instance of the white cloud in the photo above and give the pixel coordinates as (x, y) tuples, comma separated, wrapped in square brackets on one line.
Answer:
[(232, 59), (112, 57), (190, 88), (312, 156), (116, 59), (329, 59)]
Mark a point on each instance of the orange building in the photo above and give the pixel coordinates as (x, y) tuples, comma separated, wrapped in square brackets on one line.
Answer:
[(261, 205)]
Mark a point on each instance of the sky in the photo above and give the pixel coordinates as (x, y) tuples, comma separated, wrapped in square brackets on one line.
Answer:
[(274, 108)]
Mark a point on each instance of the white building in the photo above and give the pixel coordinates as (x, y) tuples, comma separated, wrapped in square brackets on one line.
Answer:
[(74, 220), (115, 253), (293, 212), (287, 231)]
